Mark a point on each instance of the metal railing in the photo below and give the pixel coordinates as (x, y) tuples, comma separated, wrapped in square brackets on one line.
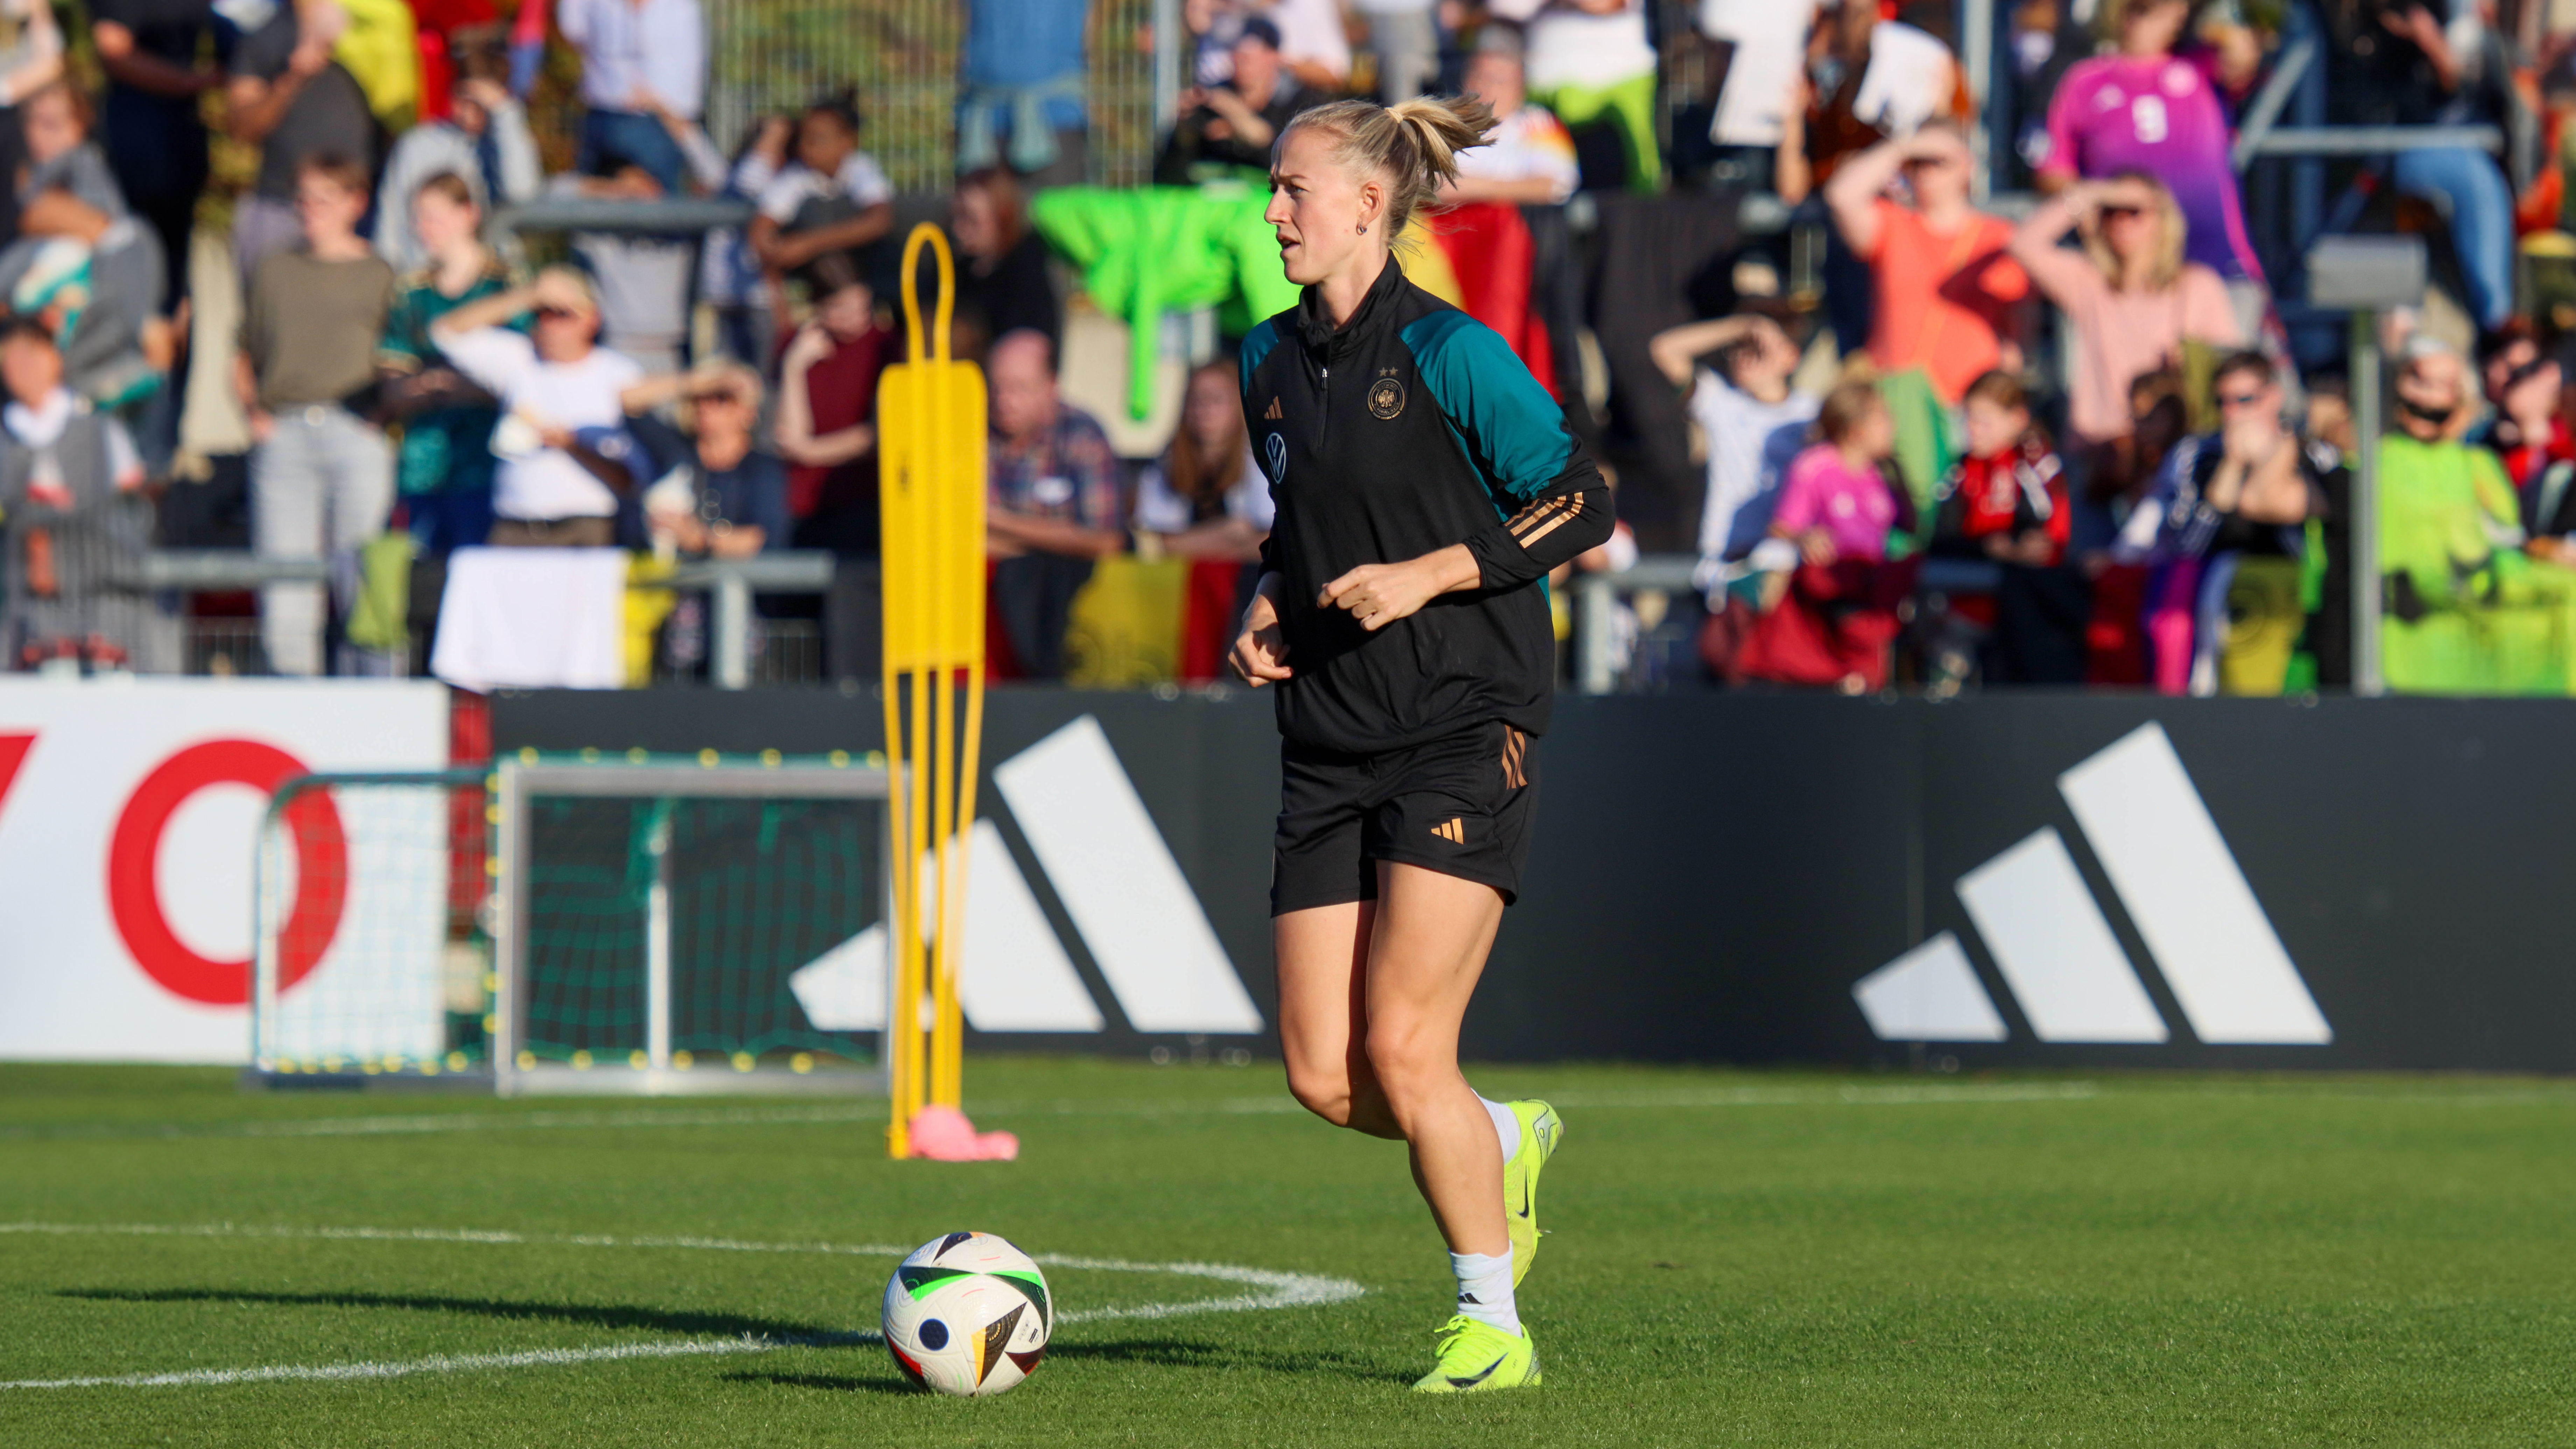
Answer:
[(732, 582), (1596, 600), (729, 582)]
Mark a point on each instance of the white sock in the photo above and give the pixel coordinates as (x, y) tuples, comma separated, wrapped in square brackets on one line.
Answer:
[(1507, 1128), (1485, 1289)]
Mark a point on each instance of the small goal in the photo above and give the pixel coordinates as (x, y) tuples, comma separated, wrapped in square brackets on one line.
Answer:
[(621, 925)]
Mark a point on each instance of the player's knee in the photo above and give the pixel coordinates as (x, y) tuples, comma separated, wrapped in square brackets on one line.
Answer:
[(1321, 1090), (1405, 1063)]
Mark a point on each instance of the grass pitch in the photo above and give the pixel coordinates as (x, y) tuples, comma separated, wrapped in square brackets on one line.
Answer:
[(1769, 1259)]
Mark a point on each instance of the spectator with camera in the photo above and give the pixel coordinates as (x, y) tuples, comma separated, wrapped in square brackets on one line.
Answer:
[(1231, 124)]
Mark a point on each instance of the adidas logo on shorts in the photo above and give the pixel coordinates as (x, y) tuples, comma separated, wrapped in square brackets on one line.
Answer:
[(1453, 830)]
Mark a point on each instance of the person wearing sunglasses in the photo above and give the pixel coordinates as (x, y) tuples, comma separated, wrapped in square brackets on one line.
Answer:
[(556, 385), (2225, 523), (1946, 293), (715, 491), (2133, 300)]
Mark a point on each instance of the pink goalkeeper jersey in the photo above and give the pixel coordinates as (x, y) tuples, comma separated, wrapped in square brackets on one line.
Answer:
[(2114, 114)]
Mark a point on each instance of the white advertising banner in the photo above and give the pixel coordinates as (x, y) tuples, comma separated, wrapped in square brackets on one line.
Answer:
[(129, 821)]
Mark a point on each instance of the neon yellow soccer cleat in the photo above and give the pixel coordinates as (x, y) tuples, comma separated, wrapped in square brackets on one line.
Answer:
[(1541, 1131), (1474, 1357)]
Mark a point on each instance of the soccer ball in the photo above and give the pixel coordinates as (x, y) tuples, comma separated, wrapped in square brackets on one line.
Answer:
[(968, 1314)]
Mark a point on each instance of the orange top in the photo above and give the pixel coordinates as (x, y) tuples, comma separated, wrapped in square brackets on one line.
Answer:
[(1942, 296)]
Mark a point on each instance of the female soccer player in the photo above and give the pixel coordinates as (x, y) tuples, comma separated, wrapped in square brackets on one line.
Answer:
[(1425, 484)]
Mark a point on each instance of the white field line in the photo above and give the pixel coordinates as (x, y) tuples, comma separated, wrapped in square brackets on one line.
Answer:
[(1670, 1099), (1280, 1290), (403, 1368), (872, 1112)]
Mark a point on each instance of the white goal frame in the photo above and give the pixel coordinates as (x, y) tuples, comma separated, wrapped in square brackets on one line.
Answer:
[(516, 783)]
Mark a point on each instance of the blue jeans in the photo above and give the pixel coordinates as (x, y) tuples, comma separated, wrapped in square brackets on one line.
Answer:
[(2465, 183), (611, 139)]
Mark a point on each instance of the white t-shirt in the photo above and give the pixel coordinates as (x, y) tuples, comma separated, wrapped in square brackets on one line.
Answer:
[(1910, 80), (547, 483), (1770, 49), (1310, 33), (1569, 47), (1160, 510), (860, 179), (1750, 444)]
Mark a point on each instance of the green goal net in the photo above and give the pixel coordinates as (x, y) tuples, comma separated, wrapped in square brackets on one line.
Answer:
[(700, 925), (630, 924)]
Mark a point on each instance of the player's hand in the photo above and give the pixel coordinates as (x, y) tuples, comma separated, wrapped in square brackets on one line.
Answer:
[(1379, 594), (1817, 547), (1260, 651)]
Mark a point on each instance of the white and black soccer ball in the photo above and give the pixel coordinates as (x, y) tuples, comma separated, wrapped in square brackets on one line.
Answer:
[(968, 1314)]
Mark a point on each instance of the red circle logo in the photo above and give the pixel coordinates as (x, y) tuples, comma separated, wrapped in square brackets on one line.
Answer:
[(134, 887)]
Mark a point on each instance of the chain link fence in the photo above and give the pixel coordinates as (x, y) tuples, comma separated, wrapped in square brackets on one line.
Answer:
[(900, 56)]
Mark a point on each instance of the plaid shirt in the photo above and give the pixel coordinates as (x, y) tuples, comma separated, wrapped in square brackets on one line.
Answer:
[(1066, 473)]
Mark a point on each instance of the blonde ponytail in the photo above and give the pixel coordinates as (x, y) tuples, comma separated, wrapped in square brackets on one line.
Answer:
[(1413, 143)]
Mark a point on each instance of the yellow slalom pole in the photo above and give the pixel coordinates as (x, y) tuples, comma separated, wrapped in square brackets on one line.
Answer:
[(948, 575), (930, 411)]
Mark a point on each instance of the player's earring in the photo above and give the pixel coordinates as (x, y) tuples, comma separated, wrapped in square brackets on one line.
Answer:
[(1364, 228)]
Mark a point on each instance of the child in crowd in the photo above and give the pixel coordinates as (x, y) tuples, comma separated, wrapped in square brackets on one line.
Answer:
[(834, 198), (445, 471), (2539, 456), (1836, 504), (1834, 622), (80, 259), (1751, 419), (321, 476), (73, 514), (2006, 501)]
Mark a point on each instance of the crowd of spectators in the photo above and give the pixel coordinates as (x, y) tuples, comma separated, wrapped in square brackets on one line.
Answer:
[(2014, 407)]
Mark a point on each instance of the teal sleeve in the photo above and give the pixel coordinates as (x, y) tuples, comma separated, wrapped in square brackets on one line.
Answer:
[(1550, 503), (1511, 428)]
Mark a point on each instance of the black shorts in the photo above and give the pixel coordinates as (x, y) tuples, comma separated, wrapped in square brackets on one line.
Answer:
[(1461, 805)]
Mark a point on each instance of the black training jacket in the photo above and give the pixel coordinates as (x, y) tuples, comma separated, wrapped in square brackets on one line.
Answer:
[(1409, 430)]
